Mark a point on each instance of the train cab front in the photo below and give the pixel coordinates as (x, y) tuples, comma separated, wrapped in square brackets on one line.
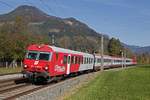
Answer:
[(36, 66)]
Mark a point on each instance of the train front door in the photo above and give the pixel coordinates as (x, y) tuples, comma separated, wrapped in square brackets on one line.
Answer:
[(68, 64)]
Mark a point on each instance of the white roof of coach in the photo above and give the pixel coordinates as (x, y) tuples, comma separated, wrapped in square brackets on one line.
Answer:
[(105, 56), (57, 49)]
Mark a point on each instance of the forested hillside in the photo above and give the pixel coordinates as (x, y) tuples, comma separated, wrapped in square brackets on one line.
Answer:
[(26, 25)]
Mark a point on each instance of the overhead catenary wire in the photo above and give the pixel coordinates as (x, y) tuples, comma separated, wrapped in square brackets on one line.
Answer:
[(47, 6)]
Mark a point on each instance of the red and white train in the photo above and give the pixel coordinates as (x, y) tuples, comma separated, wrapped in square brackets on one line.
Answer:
[(48, 62)]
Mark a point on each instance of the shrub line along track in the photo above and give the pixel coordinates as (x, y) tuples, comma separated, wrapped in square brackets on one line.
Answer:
[(16, 87)]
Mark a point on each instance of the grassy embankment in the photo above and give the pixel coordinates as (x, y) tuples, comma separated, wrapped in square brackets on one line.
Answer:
[(4, 70), (128, 84)]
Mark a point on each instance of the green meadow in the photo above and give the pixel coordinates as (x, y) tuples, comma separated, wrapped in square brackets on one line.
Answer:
[(4, 70), (128, 84)]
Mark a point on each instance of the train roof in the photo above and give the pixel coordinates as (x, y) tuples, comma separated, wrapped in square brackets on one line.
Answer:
[(58, 49), (43, 47)]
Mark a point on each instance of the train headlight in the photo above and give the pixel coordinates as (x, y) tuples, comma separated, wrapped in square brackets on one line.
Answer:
[(46, 67), (25, 66)]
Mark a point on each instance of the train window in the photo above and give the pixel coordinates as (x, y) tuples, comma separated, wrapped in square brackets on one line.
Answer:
[(128, 61), (56, 56), (72, 59), (90, 60), (84, 60), (99, 60), (44, 56), (32, 55), (65, 60), (76, 59), (68, 60), (79, 60), (107, 60)]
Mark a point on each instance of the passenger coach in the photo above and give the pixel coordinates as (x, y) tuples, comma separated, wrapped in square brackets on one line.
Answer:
[(44, 61)]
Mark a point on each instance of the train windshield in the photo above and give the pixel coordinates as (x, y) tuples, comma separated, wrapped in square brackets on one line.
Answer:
[(38, 55), (44, 56), (32, 55)]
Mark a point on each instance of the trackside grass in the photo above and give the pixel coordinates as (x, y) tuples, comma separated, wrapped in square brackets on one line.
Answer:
[(128, 84), (10, 70)]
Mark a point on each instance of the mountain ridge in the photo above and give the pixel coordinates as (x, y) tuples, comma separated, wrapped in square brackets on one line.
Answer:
[(42, 23), (138, 49)]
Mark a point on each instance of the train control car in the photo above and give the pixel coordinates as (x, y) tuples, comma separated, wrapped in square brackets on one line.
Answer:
[(45, 62)]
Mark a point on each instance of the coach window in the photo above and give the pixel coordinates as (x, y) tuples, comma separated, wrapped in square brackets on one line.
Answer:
[(84, 60), (56, 56), (90, 60), (79, 60), (76, 59), (68, 60), (65, 59), (72, 59)]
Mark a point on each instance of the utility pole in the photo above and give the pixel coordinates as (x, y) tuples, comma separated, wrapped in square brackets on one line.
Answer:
[(53, 39), (122, 58), (52, 35), (102, 53)]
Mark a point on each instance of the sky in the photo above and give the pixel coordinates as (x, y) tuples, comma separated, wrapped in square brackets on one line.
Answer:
[(128, 20)]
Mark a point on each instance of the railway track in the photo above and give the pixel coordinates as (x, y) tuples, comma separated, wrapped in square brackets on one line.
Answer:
[(9, 85), (11, 89), (19, 91), (10, 74)]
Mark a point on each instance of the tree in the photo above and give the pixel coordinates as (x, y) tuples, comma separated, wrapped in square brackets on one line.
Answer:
[(114, 47), (20, 25)]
